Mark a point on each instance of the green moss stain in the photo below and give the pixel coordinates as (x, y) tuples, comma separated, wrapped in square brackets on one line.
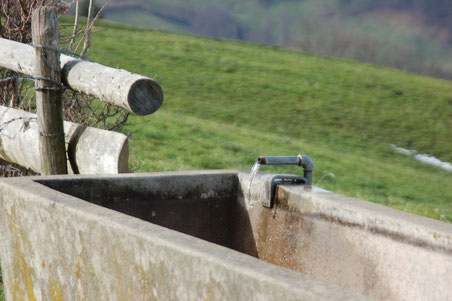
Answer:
[(55, 290), (122, 292), (22, 283), (3, 154)]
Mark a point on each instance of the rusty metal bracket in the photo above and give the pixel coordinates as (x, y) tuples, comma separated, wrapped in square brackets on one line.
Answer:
[(267, 196)]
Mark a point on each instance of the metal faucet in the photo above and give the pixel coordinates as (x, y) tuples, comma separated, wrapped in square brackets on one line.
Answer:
[(300, 160)]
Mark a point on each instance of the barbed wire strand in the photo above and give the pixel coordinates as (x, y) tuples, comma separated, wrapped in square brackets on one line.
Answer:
[(26, 120), (40, 88), (63, 51)]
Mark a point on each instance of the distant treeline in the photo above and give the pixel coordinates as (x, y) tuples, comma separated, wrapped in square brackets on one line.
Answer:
[(434, 12), (209, 20), (326, 31)]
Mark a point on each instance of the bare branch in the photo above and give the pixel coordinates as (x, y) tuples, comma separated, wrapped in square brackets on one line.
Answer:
[(74, 33), (88, 28)]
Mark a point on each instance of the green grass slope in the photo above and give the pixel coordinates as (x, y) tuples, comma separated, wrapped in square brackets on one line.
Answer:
[(228, 102)]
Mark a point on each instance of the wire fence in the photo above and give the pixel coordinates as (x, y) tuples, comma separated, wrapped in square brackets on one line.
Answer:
[(75, 107)]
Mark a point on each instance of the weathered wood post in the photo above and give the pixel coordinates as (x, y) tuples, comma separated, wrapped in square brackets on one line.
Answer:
[(46, 37)]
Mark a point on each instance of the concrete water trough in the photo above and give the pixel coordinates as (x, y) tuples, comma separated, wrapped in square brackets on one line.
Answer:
[(192, 236)]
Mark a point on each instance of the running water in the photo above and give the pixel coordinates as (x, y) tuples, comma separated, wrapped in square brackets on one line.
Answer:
[(253, 172)]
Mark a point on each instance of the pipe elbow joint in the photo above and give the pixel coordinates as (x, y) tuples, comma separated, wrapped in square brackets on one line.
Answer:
[(306, 163), (308, 168)]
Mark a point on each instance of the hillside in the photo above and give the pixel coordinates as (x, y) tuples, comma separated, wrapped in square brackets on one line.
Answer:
[(228, 102), (414, 35)]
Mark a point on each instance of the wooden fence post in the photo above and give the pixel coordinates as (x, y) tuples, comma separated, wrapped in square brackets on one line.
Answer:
[(46, 37)]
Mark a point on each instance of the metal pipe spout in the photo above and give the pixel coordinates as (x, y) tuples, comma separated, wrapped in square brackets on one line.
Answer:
[(279, 160), (301, 160)]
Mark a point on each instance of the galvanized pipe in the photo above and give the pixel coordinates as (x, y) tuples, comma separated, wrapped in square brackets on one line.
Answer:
[(301, 160), (279, 160)]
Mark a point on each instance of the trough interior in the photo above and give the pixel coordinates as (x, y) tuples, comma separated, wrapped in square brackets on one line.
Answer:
[(212, 207), (209, 207)]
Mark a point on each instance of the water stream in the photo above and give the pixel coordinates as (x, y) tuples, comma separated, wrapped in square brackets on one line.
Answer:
[(253, 172)]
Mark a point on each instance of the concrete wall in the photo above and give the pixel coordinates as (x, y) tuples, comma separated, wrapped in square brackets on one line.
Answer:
[(371, 249), (57, 247)]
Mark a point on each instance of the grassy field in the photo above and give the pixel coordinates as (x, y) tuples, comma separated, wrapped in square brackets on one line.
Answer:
[(227, 102)]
